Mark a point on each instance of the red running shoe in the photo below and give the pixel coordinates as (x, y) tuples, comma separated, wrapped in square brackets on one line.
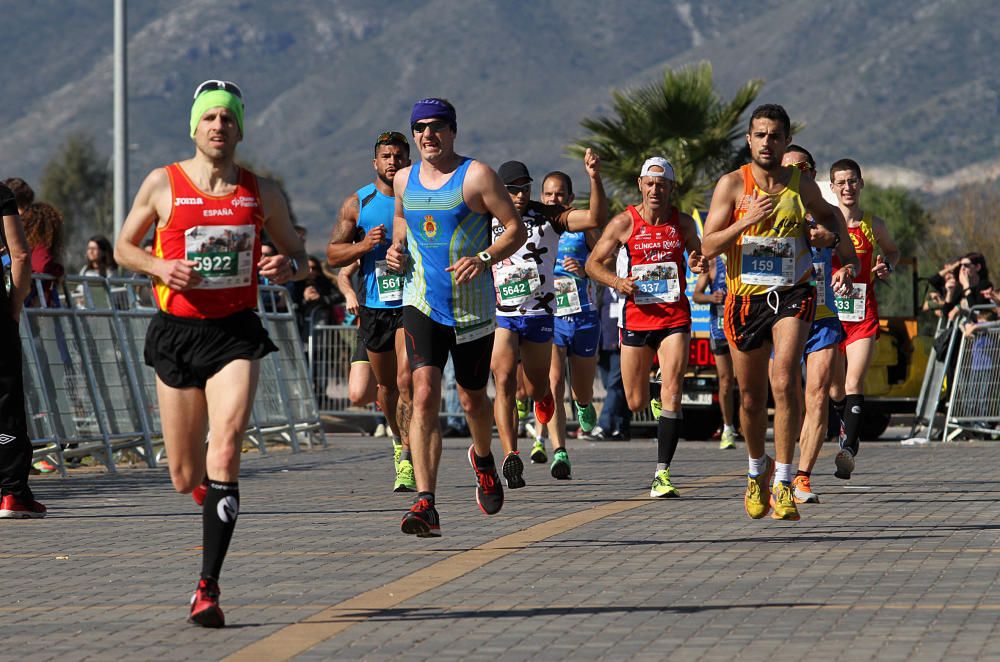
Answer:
[(198, 493), (205, 609), (422, 520), (544, 409), (13, 508)]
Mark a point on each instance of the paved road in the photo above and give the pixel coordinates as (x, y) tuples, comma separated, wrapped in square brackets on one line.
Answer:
[(902, 563)]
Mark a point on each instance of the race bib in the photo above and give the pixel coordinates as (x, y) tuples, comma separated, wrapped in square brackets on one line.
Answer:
[(224, 254), (656, 283), (389, 283), (567, 296), (819, 268), (768, 261), (852, 308), (470, 332), (516, 282)]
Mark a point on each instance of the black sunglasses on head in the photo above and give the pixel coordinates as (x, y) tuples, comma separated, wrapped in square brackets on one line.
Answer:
[(225, 85), (391, 138)]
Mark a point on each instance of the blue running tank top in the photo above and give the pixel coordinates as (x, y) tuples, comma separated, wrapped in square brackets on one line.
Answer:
[(574, 245), (716, 310), (382, 288), (440, 228), (822, 270)]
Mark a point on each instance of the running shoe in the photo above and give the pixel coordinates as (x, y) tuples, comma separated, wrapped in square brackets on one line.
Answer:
[(662, 488), (538, 455), (45, 467), (757, 500), (397, 450), (522, 409), (845, 464), (586, 416), (489, 492), (205, 609), (405, 481), (198, 493), (728, 440), (13, 508), (561, 468), (422, 521), (513, 470), (381, 430), (802, 490), (783, 503), (544, 409), (656, 407)]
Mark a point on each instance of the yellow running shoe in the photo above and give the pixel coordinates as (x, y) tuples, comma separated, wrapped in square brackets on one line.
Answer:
[(662, 488), (656, 407), (757, 500), (397, 450), (728, 439), (784, 503)]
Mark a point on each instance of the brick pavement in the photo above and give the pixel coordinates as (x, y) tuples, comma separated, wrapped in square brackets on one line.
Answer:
[(585, 569)]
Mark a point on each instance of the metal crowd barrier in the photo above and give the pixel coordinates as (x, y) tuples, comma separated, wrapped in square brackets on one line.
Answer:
[(89, 392), (974, 405)]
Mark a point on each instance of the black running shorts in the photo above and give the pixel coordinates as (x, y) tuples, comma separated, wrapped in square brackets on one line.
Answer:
[(186, 352), (378, 328), (360, 352), (748, 320), (651, 338), (428, 343)]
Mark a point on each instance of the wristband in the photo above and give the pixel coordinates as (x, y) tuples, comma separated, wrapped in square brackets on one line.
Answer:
[(295, 265)]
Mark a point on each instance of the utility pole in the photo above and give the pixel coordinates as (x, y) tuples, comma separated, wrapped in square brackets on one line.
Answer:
[(121, 119)]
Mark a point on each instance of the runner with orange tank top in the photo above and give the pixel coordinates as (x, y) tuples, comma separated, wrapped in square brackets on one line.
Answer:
[(206, 342), (859, 311), (654, 314), (758, 217)]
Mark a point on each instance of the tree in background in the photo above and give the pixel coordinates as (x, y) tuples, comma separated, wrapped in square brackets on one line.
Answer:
[(78, 182), (904, 214), (968, 220), (681, 117)]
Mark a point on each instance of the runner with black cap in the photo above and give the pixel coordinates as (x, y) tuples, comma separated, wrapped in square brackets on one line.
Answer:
[(655, 316), (526, 305), (206, 342)]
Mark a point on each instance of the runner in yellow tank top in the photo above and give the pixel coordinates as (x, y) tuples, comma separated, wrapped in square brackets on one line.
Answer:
[(758, 213)]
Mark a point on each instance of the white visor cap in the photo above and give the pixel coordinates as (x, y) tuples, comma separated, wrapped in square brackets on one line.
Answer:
[(668, 170)]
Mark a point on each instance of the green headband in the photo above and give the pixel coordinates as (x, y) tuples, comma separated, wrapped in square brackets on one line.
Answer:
[(216, 99)]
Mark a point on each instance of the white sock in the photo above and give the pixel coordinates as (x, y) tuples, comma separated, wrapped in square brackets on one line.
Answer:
[(782, 473), (728, 428), (757, 465), (659, 467)]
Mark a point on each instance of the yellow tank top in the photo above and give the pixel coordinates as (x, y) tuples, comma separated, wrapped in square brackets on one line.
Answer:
[(774, 254)]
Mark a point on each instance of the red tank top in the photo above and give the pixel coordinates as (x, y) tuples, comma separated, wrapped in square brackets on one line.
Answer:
[(221, 233), (863, 239), (654, 256)]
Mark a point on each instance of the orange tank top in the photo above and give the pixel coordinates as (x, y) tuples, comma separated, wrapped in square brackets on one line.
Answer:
[(222, 234)]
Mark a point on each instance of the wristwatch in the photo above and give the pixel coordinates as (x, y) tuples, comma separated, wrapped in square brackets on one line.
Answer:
[(486, 258), (836, 240), (889, 267), (295, 265)]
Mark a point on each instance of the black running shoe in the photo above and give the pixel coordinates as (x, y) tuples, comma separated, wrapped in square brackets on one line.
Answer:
[(513, 470), (422, 520), (489, 492), (205, 609)]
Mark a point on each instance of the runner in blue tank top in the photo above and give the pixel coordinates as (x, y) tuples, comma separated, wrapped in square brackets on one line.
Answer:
[(577, 324), (441, 243), (715, 280), (361, 234)]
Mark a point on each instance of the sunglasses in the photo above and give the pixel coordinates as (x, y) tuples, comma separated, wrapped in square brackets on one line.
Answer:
[(224, 85), (437, 126), (389, 137), (517, 188), (967, 265), (803, 166)]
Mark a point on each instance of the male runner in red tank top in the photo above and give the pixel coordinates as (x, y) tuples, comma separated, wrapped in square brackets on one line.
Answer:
[(655, 318), (206, 341)]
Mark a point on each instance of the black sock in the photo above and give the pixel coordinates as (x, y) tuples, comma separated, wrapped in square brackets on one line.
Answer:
[(803, 473), (853, 411), (484, 462), (668, 433), (426, 495), (835, 416), (219, 513), (405, 455)]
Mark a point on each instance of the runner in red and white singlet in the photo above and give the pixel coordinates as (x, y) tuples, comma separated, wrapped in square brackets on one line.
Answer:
[(206, 342), (655, 316)]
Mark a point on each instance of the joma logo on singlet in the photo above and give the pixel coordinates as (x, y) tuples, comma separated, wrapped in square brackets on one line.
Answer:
[(188, 201), (218, 212), (244, 201)]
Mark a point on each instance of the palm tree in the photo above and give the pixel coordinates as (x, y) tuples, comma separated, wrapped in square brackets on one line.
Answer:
[(681, 117)]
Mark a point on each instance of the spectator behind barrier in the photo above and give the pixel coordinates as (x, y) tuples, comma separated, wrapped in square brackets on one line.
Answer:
[(43, 227), (316, 299), (100, 258), (960, 285)]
